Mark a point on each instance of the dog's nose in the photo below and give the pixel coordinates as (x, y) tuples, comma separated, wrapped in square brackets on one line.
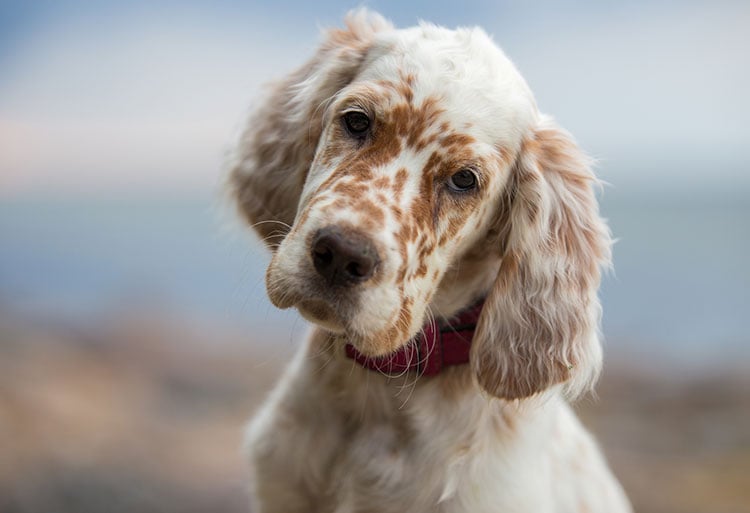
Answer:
[(343, 256)]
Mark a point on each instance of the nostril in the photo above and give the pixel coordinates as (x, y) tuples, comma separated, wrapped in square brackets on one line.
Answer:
[(356, 269), (322, 254)]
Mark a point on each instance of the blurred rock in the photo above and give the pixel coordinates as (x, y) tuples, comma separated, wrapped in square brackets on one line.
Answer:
[(142, 415)]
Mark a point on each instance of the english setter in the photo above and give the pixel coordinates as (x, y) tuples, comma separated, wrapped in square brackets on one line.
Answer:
[(444, 238)]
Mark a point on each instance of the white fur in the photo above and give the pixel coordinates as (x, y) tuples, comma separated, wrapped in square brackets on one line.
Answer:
[(329, 439), (493, 436)]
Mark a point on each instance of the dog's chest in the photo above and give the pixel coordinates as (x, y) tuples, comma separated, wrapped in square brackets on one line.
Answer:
[(423, 454), (385, 466)]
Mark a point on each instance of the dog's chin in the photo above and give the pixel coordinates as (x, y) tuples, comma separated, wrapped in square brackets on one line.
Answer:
[(320, 313), (372, 343), (377, 343)]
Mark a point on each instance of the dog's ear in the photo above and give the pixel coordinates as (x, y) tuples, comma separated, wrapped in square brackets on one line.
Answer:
[(540, 322), (276, 150)]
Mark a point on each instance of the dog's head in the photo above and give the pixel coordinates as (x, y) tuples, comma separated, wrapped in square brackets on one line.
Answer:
[(403, 172)]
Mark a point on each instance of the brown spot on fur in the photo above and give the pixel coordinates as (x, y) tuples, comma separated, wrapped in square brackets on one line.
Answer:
[(456, 141), (342, 203), (382, 198), (426, 141), (411, 123), (349, 189), (372, 211), (408, 232), (433, 163), (423, 208), (401, 274), (426, 250), (398, 214), (406, 312), (383, 182), (399, 182), (406, 92), (503, 156)]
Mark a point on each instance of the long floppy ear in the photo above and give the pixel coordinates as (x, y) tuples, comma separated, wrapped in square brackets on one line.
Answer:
[(276, 150), (540, 322)]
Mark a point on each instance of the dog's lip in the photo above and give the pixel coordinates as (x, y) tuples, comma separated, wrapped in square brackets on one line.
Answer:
[(323, 313), (316, 308), (320, 312)]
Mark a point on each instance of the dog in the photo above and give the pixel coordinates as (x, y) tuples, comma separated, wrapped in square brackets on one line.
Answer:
[(444, 238)]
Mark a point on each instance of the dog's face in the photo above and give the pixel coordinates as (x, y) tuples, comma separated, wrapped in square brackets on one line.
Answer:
[(395, 158), (413, 157)]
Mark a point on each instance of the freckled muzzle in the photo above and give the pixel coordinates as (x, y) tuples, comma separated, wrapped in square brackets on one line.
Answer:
[(343, 256)]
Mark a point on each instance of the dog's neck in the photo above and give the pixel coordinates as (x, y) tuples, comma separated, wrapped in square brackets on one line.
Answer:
[(436, 347)]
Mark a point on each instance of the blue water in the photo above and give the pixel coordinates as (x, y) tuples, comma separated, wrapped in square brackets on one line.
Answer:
[(681, 284), (86, 259), (680, 288)]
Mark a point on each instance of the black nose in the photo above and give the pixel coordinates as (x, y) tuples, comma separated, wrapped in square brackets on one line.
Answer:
[(343, 256)]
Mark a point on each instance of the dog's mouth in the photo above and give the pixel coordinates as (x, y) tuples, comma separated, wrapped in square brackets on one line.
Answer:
[(369, 339), (321, 313)]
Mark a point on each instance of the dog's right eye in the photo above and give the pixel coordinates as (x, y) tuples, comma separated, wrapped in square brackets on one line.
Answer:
[(463, 181), (357, 123)]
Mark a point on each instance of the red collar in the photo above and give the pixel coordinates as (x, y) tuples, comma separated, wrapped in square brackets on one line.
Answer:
[(427, 353)]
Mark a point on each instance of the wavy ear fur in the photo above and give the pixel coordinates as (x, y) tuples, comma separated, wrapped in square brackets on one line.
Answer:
[(278, 145), (539, 325)]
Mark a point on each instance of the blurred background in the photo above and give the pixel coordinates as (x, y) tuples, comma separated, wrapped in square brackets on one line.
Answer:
[(135, 335)]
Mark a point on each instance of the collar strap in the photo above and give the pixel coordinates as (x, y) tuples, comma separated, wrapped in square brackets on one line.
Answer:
[(430, 351)]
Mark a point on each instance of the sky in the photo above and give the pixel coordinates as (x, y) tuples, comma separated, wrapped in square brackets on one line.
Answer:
[(149, 96)]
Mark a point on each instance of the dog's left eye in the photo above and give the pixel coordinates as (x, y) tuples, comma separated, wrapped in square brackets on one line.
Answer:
[(357, 123), (463, 181)]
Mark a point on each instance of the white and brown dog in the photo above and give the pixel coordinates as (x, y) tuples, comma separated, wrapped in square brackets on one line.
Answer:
[(444, 237)]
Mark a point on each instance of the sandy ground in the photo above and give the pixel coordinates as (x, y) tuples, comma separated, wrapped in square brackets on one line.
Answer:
[(134, 416)]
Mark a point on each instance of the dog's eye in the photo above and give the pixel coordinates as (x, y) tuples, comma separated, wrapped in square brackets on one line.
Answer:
[(462, 181), (357, 123)]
